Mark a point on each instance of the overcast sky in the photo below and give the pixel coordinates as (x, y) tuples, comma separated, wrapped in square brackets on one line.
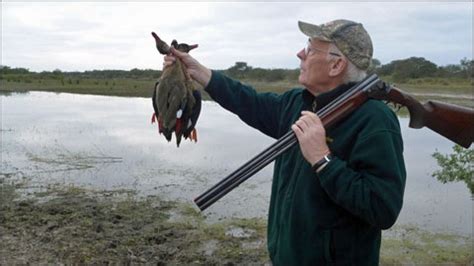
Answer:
[(85, 36)]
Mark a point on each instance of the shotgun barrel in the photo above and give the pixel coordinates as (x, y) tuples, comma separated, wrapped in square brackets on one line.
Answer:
[(330, 114)]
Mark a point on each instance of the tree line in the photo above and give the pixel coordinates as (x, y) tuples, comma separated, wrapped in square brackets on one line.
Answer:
[(398, 70)]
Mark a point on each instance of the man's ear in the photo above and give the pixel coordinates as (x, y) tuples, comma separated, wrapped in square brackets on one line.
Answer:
[(337, 67)]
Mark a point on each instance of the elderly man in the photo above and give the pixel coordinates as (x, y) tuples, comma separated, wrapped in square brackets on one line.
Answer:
[(334, 193)]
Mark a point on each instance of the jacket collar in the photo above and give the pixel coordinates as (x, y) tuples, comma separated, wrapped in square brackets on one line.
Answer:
[(315, 103)]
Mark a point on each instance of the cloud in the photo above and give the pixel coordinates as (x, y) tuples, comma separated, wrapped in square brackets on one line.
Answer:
[(85, 36)]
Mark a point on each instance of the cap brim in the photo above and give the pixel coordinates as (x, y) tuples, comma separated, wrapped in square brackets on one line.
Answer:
[(313, 31)]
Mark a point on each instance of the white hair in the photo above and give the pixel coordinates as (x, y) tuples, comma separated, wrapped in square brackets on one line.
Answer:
[(353, 73)]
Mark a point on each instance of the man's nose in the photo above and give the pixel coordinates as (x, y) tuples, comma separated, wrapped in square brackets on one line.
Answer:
[(301, 54)]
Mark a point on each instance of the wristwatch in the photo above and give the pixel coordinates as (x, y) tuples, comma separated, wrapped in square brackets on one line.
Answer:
[(319, 165)]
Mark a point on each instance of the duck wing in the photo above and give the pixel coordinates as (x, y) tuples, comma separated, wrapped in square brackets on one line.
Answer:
[(153, 99), (192, 115), (171, 101)]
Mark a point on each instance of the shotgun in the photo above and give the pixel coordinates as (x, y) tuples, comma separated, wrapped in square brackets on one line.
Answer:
[(453, 122)]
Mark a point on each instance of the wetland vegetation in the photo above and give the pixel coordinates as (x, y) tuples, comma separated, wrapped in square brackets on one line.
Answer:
[(424, 79)]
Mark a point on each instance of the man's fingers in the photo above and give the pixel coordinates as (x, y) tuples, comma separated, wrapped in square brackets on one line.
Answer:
[(169, 58), (308, 121), (297, 131), (302, 124), (177, 53), (312, 116), (167, 63)]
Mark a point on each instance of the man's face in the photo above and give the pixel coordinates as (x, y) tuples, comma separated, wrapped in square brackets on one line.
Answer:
[(315, 66)]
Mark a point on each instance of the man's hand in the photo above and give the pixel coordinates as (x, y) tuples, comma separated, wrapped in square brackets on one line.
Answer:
[(311, 136), (197, 71)]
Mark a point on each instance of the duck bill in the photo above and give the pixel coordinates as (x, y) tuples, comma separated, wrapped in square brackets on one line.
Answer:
[(192, 46)]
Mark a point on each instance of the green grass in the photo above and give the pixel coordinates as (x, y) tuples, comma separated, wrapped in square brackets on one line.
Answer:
[(436, 85), (452, 90), (112, 87), (413, 245)]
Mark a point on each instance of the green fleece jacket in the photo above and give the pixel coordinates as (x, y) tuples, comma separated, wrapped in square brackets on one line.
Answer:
[(336, 216)]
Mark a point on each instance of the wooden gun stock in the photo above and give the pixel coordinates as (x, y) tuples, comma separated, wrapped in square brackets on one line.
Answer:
[(451, 121)]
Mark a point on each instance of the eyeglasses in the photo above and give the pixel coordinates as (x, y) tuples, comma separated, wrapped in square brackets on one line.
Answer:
[(308, 49)]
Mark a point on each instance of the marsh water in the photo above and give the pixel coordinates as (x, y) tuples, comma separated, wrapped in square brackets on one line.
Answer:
[(103, 142)]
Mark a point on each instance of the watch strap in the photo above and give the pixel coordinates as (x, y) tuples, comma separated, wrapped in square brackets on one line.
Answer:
[(326, 159)]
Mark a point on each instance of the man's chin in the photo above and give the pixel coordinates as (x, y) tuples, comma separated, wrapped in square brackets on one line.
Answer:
[(301, 80)]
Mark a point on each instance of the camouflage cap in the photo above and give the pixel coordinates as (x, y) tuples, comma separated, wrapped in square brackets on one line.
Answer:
[(350, 37)]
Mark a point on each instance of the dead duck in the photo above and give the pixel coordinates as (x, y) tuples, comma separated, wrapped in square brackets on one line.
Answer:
[(176, 101)]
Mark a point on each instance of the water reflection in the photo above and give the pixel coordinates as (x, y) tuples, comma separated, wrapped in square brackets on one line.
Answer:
[(108, 142)]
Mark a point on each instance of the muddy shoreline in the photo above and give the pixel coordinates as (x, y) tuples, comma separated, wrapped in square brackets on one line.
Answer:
[(75, 225), (61, 224)]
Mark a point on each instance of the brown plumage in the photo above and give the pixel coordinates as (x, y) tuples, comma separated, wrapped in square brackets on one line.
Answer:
[(176, 102)]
